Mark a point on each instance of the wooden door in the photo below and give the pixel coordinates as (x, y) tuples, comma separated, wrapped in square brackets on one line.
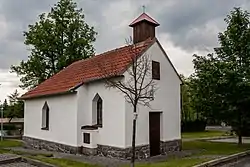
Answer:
[(154, 133)]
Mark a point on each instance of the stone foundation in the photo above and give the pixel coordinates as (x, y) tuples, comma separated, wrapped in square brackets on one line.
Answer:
[(170, 146), (88, 151), (141, 152), (48, 145)]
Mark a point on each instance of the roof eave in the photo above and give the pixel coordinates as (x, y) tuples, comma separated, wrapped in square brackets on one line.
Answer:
[(134, 23), (48, 95)]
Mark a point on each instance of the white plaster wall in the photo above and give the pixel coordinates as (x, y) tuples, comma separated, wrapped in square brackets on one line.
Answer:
[(113, 131), (83, 112), (167, 101), (62, 119)]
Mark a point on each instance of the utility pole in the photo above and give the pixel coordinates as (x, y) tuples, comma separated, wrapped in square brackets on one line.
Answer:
[(1, 108)]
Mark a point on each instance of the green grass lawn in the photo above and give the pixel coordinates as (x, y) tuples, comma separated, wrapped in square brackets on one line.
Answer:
[(215, 148), (10, 143), (205, 134), (184, 162), (61, 162), (206, 149), (42, 157)]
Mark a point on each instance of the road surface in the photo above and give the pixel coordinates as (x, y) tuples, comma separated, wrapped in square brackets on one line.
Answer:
[(242, 163), (17, 164)]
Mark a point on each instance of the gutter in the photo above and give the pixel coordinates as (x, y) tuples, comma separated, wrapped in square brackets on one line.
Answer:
[(71, 90), (49, 95)]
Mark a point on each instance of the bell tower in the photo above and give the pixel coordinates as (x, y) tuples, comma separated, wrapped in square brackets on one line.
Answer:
[(143, 27)]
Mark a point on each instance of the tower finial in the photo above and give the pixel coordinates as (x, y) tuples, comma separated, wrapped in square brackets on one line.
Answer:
[(143, 8)]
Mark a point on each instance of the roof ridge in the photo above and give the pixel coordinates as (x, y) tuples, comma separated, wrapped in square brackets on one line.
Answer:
[(139, 44), (101, 54)]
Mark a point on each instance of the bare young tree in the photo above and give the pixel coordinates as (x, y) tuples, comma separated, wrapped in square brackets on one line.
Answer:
[(138, 86)]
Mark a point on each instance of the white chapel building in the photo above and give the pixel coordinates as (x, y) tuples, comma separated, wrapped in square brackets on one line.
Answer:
[(74, 112)]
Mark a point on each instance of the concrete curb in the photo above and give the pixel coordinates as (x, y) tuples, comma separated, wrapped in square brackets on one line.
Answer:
[(217, 138), (224, 160), (36, 162), (207, 138), (10, 160)]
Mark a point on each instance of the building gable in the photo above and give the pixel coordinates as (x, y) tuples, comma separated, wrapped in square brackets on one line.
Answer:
[(165, 54)]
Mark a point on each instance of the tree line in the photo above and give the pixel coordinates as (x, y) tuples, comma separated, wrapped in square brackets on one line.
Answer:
[(13, 107), (219, 88)]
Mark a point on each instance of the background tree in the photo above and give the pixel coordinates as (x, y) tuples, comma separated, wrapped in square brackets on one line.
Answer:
[(5, 105), (234, 55), (204, 86), (59, 38), (222, 82), (13, 97), (15, 109), (138, 88), (185, 98)]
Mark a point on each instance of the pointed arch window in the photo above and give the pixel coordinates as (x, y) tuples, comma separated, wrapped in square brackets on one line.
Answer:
[(97, 110), (45, 116)]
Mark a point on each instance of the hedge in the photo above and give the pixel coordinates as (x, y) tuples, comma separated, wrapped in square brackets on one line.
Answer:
[(193, 126)]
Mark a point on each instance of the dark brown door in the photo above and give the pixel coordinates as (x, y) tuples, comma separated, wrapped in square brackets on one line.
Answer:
[(154, 133)]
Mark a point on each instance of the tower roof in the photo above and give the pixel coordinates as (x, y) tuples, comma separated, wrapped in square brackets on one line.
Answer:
[(144, 17)]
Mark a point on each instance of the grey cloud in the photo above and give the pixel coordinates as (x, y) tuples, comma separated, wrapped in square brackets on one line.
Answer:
[(17, 15), (188, 23), (24, 10), (185, 21), (7, 79)]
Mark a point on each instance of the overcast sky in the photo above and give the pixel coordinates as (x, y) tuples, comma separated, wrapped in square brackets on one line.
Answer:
[(187, 27)]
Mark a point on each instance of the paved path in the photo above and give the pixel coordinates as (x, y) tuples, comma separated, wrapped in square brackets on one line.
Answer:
[(242, 163), (216, 139), (231, 140), (17, 164), (219, 128), (100, 160), (7, 156), (4, 157)]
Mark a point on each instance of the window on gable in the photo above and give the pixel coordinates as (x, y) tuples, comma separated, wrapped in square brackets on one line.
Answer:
[(155, 70), (45, 116)]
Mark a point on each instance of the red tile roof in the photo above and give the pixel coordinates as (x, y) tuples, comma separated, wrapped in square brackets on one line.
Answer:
[(80, 72), (146, 17)]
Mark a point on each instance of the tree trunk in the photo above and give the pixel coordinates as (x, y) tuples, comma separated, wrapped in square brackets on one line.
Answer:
[(133, 140), (239, 139), (240, 128)]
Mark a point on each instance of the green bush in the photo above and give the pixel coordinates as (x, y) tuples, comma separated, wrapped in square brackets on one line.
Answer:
[(9, 127), (193, 126)]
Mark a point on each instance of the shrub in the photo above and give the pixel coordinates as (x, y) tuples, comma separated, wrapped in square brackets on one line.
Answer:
[(9, 127), (193, 126)]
